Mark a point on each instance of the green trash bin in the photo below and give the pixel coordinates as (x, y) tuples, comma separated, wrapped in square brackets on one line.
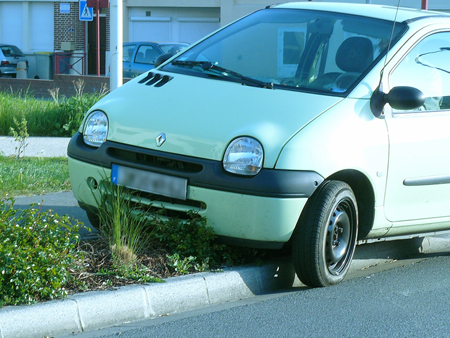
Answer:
[(44, 65)]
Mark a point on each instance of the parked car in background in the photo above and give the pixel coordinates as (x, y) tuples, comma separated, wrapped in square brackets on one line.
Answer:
[(10, 56), (318, 125), (139, 57)]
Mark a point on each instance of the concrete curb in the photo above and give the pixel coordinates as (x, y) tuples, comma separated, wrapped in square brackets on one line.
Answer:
[(100, 309), (94, 310)]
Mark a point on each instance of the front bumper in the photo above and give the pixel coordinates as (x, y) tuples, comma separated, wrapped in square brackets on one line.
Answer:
[(259, 211)]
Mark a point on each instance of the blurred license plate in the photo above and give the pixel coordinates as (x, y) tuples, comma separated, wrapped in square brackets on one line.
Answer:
[(148, 181)]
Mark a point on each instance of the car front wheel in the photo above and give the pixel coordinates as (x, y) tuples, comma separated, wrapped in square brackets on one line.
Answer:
[(94, 219), (324, 240)]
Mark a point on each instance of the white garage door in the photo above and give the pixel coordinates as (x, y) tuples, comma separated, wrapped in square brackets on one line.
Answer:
[(150, 30), (41, 27), (193, 30), (178, 25), (11, 23), (34, 34)]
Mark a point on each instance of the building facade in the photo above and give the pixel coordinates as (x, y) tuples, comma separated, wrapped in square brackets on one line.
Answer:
[(44, 27)]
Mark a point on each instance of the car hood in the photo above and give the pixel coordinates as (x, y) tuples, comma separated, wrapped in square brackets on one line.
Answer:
[(200, 116)]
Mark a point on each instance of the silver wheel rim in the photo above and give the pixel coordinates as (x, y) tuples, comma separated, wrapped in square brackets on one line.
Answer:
[(340, 238)]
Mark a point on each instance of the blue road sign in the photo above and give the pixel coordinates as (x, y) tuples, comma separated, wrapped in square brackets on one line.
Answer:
[(86, 13)]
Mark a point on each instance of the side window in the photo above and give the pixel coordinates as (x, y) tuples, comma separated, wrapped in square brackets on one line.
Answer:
[(146, 54), (427, 68)]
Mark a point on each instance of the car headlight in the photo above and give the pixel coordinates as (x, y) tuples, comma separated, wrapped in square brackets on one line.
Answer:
[(95, 129), (244, 156)]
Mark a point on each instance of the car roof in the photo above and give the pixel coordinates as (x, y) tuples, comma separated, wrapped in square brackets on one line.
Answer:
[(368, 10), (155, 43)]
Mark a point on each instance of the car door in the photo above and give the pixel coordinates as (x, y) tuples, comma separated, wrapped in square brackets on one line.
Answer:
[(418, 182)]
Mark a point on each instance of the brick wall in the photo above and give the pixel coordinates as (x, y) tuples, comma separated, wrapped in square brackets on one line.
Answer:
[(65, 83), (68, 27)]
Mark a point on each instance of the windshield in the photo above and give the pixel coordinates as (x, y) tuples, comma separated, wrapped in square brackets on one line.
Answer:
[(292, 49)]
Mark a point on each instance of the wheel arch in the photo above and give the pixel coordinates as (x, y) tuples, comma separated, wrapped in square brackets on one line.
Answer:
[(365, 197)]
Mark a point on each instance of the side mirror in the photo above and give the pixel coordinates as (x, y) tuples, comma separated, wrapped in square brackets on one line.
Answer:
[(162, 58), (401, 98)]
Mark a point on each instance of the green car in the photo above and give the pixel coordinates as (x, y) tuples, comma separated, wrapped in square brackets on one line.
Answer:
[(319, 125)]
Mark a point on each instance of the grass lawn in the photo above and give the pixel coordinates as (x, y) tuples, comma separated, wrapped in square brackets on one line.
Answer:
[(33, 175)]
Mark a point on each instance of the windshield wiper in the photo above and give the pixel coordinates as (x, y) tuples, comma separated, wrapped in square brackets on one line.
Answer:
[(224, 73)]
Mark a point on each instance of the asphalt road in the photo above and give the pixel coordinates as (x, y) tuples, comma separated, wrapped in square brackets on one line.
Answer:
[(408, 299)]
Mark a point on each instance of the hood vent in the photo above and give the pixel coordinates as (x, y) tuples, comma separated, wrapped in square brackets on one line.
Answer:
[(156, 79)]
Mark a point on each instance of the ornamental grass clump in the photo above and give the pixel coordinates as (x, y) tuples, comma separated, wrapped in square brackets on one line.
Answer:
[(125, 232), (37, 251)]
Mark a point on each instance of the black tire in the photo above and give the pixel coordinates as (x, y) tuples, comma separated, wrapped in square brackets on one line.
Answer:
[(94, 219), (324, 240)]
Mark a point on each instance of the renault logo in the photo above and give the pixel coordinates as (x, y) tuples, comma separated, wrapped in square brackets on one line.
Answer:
[(160, 139)]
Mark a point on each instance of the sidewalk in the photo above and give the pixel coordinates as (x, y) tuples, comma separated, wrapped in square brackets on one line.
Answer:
[(100, 309), (37, 146)]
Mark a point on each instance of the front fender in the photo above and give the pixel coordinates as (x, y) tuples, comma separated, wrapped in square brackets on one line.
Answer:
[(346, 137)]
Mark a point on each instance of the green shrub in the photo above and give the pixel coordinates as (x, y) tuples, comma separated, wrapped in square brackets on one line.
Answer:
[(193, 246), (36, 252), (191, 243)]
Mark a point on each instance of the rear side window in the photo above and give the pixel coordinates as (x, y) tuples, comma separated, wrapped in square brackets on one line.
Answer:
[(128, 52)]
